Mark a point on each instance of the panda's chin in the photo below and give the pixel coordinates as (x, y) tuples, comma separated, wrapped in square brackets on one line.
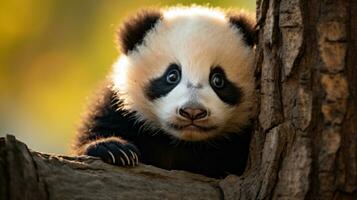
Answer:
[(194, 135), (192, 132)]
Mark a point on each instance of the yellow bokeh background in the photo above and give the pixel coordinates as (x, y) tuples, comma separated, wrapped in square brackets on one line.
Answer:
[(53, 54)]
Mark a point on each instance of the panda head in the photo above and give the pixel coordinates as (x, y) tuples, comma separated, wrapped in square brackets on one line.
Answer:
[(188, 70)]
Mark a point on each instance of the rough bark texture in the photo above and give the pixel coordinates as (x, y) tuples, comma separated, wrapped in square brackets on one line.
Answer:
[(31, 175), (304, 145), (306, 137)]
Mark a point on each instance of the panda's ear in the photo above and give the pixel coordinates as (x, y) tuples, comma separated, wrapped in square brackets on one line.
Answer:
[(134, 29), (245, 23)]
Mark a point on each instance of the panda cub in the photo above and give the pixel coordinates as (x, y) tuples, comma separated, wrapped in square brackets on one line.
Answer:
[(181, 96)]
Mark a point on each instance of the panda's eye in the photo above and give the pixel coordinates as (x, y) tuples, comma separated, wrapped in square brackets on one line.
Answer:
[(173, 76), (217, 80)]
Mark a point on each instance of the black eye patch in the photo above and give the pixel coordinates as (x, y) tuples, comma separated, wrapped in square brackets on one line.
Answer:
[(229, 92), (160, 86)]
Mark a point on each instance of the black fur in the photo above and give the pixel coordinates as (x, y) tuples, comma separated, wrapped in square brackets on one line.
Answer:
[(245, 24), (230, 93), (107, 119), (159, 87), (134, 29)]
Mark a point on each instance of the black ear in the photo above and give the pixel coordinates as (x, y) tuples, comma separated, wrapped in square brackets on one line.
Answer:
[(245, 23), (132, 32)]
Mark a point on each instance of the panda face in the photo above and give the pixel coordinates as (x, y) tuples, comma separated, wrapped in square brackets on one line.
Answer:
[(191, 75)]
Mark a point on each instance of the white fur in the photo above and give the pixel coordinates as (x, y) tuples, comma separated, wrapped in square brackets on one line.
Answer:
[(196, 38)]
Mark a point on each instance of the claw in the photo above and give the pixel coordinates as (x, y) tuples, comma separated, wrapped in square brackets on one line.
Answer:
[(126, 156), (111, 155), (122, 161), (133, 157), (136, 157)]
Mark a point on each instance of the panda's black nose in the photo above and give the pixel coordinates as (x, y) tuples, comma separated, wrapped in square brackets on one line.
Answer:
[(193, 113)]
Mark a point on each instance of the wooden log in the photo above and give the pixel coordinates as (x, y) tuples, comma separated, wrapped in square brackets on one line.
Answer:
[(26, 174)]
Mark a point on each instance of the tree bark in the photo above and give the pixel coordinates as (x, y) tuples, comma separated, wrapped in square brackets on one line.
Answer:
[(304, 145), (29, 175)]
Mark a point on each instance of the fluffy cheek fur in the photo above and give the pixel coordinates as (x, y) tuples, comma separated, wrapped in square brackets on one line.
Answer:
[(128, 76)]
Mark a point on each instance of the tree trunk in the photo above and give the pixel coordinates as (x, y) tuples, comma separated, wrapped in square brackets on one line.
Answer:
[(304, 145)]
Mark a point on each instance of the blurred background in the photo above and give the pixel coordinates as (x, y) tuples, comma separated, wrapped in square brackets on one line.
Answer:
[(53, 54)]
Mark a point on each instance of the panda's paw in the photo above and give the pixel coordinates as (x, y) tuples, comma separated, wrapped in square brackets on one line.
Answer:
[(114, 151)]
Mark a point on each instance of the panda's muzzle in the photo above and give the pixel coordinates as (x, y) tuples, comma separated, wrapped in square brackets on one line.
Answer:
[(193, 112)]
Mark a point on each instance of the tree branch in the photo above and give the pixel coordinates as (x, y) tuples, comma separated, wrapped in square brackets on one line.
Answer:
[(26, 174)]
